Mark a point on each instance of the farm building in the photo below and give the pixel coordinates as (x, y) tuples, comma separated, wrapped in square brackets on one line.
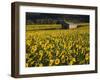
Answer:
[(72, 25), (68, 25)]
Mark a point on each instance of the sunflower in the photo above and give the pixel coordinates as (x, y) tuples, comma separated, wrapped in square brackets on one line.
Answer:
[(33, 49), (28, 42), (51, 62), (40, 65), (50, 55), (71, 62), (57, 53), (57, 61), (26, 65), (64, 46), (87, 57), (63, 56), (63, 60), (73, 59), (32, 62)]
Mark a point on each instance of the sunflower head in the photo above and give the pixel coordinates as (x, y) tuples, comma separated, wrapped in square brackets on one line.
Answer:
[(87, 57), (51, 62), (57, 61), (40, 65)]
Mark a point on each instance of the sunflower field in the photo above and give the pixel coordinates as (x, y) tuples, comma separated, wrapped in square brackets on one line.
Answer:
[(57, 47)]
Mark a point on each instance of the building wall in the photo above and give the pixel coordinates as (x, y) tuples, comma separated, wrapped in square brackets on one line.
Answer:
[(71, 26)]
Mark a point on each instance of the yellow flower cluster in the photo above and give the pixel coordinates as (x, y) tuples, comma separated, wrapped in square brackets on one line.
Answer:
[(57, 47)]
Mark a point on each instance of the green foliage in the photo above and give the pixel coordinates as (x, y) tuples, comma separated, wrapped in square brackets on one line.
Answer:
[(43, 26)]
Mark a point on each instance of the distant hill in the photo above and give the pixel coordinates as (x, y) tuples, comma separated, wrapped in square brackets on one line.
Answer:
[(46, 18)]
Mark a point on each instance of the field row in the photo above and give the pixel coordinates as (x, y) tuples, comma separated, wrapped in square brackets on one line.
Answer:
[(44, 26)]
